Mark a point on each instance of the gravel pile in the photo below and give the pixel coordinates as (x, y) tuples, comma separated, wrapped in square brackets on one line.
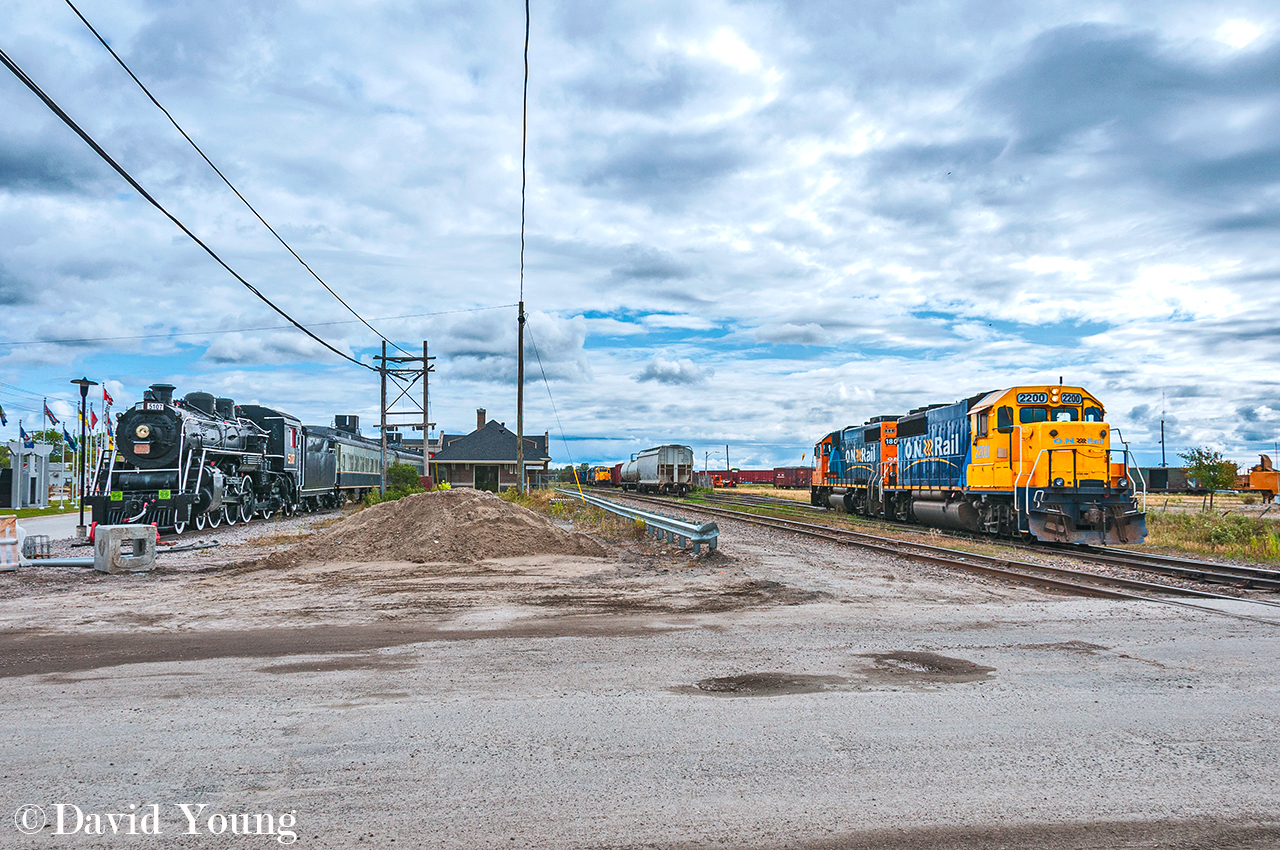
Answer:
[(453, 526)]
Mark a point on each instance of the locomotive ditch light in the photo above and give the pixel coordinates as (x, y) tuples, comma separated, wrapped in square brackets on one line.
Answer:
[(1059, 482)]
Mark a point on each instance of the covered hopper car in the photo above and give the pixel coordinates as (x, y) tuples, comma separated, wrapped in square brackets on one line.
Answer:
[(662, 469)]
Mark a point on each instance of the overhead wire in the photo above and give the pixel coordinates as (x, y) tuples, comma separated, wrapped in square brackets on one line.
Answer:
[(547, 384), (171, 335), (57, 110), (218, 171)]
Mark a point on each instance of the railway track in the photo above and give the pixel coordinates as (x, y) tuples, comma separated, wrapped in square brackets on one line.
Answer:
[(1042, 576), (1206, 572)]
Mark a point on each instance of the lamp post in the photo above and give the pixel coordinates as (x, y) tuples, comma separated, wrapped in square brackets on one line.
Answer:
[(84, 383)]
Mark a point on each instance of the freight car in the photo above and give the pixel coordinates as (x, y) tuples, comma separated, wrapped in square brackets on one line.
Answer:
[(663, 469), (1031, 461), (204, 461), (1166, 479), (793, 477), (753, 476), (1263, 479)]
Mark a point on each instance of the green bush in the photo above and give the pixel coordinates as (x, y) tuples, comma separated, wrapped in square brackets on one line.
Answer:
[(404, 479)]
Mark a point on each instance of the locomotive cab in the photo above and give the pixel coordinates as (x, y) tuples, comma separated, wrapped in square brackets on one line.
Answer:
[(1051, 447)]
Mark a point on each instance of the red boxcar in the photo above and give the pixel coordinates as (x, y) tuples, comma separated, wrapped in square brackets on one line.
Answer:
[(792, 477), (754, 476), (615, 475)]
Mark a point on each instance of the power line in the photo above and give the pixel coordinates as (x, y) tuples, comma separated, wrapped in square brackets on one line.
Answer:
[(547, 383), (173, 334), (218, 171), (57, 110)]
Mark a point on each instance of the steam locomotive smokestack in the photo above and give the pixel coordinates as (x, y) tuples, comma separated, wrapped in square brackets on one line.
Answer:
[(163, 392)]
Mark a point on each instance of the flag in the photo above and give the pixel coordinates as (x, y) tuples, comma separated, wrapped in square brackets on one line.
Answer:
[(70, 442), (4, 420), (107, 420), (27, 442), (106, 397), (93, 418), (49, 413)]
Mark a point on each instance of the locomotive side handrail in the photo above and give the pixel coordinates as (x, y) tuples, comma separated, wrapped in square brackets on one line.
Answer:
[(1026, 493), (1128, 456)]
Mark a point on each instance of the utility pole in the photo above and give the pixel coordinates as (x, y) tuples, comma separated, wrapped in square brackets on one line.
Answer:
[(520, 399), (382, 426), (403, 374), (1162, 412)]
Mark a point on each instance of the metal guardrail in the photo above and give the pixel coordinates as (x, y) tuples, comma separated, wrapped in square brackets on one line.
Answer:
[(663, 526)]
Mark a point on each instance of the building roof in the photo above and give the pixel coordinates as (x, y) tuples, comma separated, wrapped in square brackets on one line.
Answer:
[(491, 444)]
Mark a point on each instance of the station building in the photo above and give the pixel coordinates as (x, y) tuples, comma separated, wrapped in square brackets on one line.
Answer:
[(486, 458)]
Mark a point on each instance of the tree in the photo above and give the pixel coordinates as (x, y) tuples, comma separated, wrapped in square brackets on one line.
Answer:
[(1209, 470)]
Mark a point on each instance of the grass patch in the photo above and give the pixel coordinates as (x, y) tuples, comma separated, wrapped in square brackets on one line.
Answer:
[(53, 510), (1212, 533), (585, 518)]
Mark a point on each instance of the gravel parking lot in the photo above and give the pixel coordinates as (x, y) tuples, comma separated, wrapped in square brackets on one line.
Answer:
[(780, 693)]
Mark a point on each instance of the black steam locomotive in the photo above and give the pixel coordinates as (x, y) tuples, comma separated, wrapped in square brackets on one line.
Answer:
[(203, 461)]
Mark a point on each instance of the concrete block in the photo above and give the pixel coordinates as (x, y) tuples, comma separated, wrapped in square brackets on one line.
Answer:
[(124, 548)]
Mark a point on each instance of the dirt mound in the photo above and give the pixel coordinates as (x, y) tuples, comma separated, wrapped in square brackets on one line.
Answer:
[(447, 526)]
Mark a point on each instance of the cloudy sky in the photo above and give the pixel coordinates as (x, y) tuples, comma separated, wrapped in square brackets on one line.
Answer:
[(748, 223)]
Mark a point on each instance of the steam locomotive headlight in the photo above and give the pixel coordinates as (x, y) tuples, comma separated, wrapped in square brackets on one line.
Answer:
[(142, 432)]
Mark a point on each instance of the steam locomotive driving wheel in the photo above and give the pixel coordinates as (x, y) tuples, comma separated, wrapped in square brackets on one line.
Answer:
[(248, 501)]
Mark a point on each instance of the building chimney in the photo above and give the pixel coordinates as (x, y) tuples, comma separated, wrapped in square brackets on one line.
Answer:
[(479, 418)]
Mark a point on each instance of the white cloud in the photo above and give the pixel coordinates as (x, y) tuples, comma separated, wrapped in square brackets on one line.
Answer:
[(682, 371), (932, 202), (1239, 33)]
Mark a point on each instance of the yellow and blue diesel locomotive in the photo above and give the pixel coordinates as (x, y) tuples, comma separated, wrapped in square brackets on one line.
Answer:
[(1030, 461)]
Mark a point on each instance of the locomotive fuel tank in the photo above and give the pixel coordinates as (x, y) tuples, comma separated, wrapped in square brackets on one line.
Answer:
[(938, 512)]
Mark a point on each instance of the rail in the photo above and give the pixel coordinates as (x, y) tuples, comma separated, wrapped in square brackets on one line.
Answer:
[(663, 526)]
